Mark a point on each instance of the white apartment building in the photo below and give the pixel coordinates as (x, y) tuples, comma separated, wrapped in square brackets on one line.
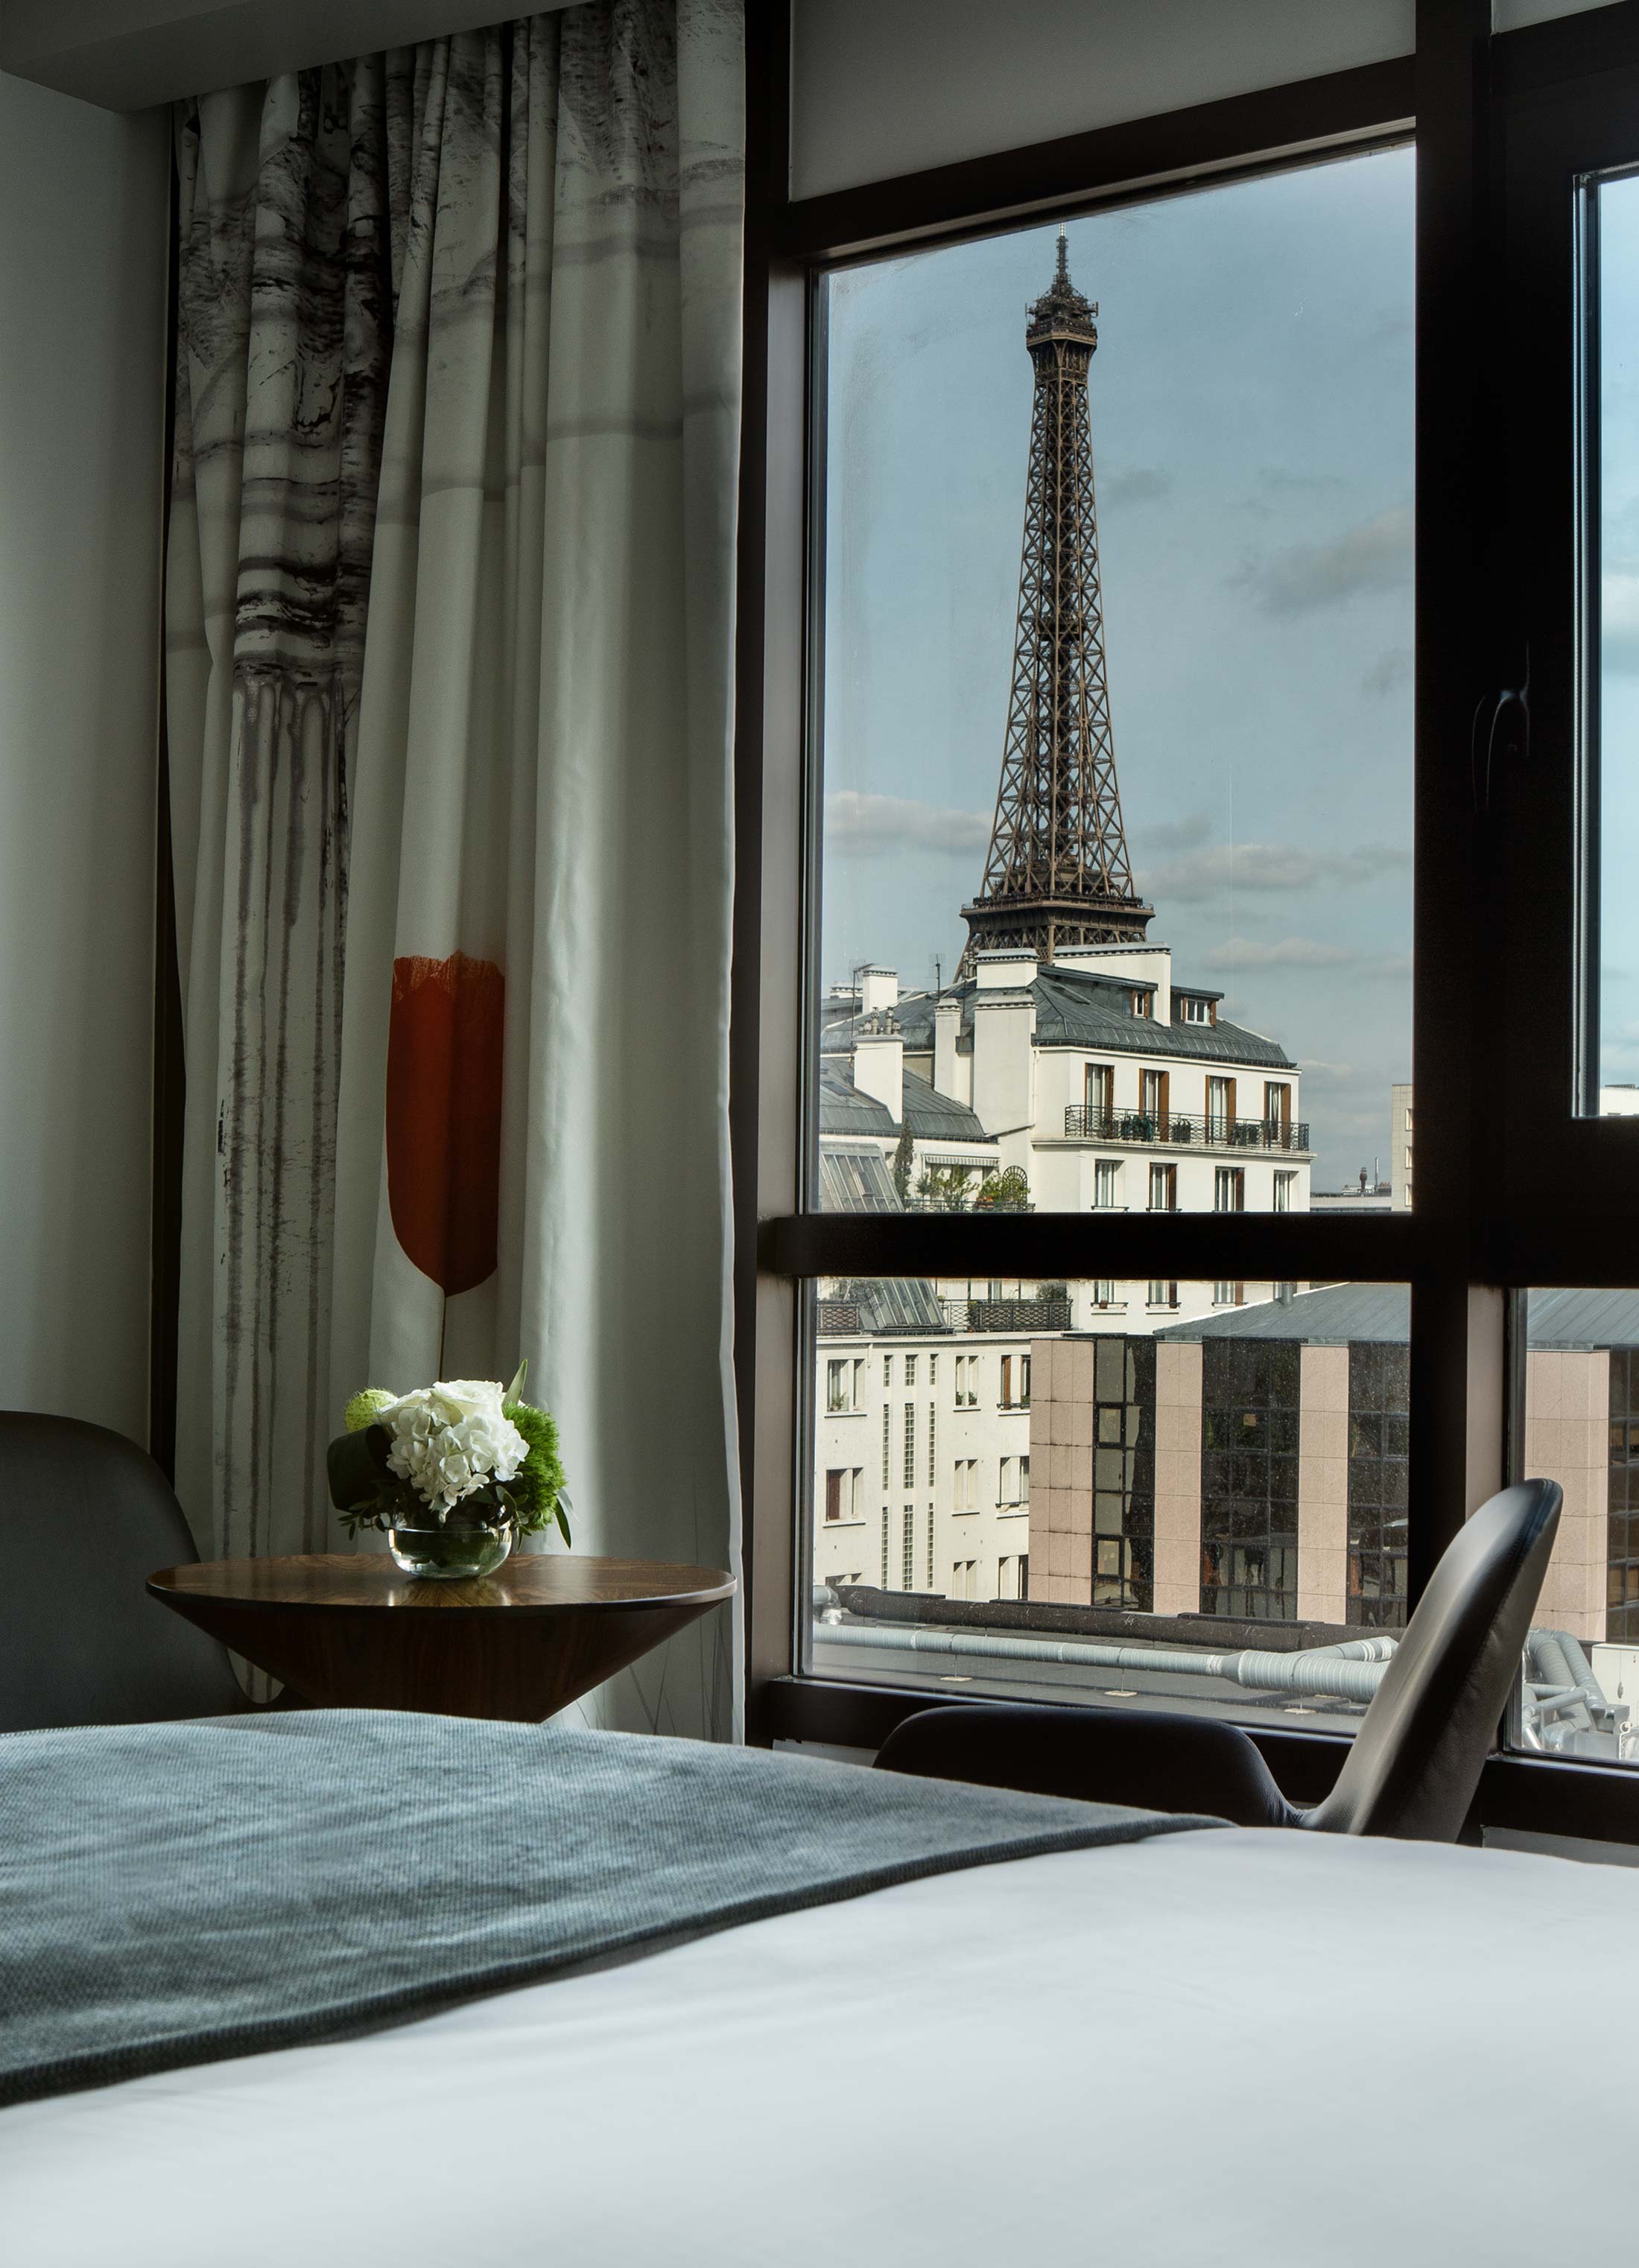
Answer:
[(922, 1444), (1106, 1084)]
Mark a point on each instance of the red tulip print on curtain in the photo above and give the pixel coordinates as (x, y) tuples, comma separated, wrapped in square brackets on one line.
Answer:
[(444, 1116)]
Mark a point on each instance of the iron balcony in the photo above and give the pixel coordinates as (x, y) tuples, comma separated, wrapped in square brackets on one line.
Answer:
[(1084, 1124)]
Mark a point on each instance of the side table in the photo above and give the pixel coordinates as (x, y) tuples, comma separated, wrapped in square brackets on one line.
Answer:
[(350, 1631)]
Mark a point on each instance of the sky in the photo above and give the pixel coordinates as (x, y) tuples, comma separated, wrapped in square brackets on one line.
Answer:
[(1619, 515), (1252, 410)]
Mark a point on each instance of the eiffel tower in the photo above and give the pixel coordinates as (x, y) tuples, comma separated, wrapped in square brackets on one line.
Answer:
[(1057, 872)]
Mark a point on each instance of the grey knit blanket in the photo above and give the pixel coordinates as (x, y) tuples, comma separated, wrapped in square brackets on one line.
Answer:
[(173, 1894)]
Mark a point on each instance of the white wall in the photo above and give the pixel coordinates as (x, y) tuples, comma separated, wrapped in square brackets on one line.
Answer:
[(882, 87), (82, 228)]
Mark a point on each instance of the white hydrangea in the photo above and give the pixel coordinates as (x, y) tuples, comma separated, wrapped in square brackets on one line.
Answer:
[(451, 1438)]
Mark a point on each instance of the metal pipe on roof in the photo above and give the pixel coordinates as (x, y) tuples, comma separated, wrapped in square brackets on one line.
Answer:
[(1320, 1671)]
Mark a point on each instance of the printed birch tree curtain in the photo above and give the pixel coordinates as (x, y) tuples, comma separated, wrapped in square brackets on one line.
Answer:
[(450, 635)]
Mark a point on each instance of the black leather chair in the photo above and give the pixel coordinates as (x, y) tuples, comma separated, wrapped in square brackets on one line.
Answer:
[(1410, 1771), (85, 1516)]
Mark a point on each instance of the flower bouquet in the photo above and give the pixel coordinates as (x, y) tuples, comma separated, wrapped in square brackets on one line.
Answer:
[(452, 1474)]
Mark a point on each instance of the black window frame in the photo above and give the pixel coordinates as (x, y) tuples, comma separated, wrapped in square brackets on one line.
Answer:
[(1485, 1221)]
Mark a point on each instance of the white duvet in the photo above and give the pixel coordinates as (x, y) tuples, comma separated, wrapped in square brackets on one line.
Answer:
[(1228, 2047)]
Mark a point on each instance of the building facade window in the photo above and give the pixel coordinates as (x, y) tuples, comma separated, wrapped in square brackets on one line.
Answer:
[(1106, 1184), (1124, 1473), (887, 1370), (1228, 1295), (1220, 1110), (908, 1569), (1228, 1188), (910, 1444), (932, 1419), (1249, 1479), (1160, 1294), (930, 1547), (884, 1582), (844, 1490), (1380, 1426), (1098, 1089), (1283, 1185), (1621, 1595), (1163, 1189), (844, 1384), (1103, 1293), (1016, 1381), (887, 1420)]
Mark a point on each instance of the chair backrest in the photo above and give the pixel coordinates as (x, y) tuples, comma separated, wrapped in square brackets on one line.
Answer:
[(1416, 1760), (85, 1516)]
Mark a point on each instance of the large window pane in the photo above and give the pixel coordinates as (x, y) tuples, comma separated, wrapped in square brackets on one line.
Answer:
[(1614, 780), (1116, 628), (1581, 1430), (1193, 1496)]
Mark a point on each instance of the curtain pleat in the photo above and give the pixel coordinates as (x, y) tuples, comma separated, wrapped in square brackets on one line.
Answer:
[(451, 627)]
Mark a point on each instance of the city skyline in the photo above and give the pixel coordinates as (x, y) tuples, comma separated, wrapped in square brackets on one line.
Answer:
[(1279, 865)]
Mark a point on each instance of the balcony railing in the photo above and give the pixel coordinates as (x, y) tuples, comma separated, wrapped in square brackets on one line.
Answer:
[(1016, 1315), (1206, 1132)]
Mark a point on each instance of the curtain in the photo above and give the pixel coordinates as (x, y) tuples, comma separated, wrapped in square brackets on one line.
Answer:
[(450, 631)]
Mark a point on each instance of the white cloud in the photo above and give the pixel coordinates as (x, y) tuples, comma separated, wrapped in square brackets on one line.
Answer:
[(1184, 834), (878, 826), (1290, 953), (1265, 866), (1376, 555), (1140, 484)]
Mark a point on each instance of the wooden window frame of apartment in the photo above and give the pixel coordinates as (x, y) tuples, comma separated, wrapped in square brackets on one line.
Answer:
[(1491, 118)]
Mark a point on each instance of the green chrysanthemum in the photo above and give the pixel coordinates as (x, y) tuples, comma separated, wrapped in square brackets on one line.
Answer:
[(364, 1408), (533, 1490)]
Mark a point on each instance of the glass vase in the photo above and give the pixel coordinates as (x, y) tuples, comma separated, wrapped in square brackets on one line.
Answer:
[(451, 1554)]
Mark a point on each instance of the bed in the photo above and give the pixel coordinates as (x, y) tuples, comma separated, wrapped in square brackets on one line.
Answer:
[(1213, 2045)]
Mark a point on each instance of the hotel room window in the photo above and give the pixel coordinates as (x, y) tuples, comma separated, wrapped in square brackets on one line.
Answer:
[(1213, 950)]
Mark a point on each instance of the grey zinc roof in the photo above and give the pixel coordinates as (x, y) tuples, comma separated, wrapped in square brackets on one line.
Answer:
[(932, 1116), (844, 1110), (1581, 1319), (1339, 1313), (1332, 1316), (1075, 1008)]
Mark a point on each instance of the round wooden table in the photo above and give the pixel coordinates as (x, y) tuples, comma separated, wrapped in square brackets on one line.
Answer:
[(348, 1631)]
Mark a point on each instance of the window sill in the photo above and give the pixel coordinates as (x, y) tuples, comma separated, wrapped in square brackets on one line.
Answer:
[(847, 1413), (835, 1527)]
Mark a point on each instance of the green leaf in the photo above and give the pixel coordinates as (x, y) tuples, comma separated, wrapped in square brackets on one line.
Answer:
[(514, 1392), (357, 1465), (561, 1510)]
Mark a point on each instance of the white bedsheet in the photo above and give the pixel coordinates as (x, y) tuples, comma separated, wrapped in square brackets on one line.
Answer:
[(1229, 2047)]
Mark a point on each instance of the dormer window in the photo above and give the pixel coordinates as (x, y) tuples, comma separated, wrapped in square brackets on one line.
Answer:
[(1141, 1000), (1192, 1008)]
